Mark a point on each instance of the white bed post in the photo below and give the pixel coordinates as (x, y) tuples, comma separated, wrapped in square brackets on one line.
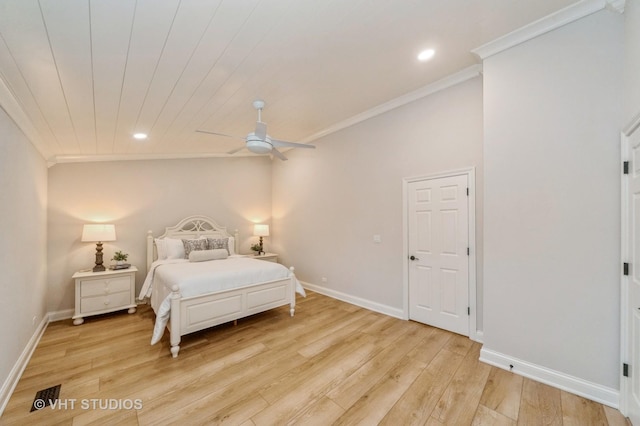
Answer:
[(292, 305), (174, 321), (149, 249)]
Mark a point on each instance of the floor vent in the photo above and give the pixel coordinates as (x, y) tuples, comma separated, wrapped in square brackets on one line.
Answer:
[(45, 397)]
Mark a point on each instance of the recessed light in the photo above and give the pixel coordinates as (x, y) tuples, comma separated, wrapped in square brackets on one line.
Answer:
[(139, 136), (425, 55)]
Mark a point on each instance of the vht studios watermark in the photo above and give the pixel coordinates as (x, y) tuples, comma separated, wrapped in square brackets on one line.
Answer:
[(89, 404)]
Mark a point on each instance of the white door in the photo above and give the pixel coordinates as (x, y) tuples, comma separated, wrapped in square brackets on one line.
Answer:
[(633, 279), (438, 252)]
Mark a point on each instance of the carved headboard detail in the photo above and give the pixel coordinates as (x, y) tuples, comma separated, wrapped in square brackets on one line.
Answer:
[(190, 227)]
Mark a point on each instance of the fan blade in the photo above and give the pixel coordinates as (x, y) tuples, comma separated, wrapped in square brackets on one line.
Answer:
[(261, 130), (276, 142), (236, 150), (219, 134), (278, 154)]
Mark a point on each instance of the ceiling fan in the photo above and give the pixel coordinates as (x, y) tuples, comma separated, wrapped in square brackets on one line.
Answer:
[(258, 141)]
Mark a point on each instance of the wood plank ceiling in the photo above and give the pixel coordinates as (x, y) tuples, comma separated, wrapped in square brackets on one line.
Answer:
[(87, 74)]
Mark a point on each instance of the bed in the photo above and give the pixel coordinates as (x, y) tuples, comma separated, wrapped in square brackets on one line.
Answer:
[(188, 296)]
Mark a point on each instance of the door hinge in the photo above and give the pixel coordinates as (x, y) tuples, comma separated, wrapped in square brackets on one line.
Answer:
[(625, 268), (468, 252), (625, 167), (467, 192), (625, 370), (468, 310)]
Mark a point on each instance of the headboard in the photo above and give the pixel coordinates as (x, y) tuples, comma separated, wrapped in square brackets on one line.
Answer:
[(188, 228)]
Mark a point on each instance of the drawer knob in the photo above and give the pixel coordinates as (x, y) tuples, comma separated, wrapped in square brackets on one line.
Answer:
[(106, 302)]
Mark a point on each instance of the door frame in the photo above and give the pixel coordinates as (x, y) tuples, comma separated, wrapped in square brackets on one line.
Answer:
[(625, 347), (470, 172)]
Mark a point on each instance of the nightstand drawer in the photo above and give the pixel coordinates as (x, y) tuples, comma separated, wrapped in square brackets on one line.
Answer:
[(104, 286), (102, 303)]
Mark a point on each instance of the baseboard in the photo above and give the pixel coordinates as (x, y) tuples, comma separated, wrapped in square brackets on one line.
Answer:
[(575, 385), (60, 315), (16, 372), (364, 303)]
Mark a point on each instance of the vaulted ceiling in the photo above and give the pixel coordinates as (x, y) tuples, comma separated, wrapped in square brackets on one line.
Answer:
[(81, 76)]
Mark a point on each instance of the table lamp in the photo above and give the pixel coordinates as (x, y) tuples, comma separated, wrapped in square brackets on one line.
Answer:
[(260, 230), (98, 233)]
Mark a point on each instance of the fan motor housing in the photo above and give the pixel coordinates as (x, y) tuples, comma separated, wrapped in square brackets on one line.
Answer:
[(257, 145)]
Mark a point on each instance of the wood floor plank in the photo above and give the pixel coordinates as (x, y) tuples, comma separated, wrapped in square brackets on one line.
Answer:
[(488, 417), (502, 392), (331, 363), (356, 321), (287, 401), (540, 404), (435, 340), (458, 344), (323, 412), (346, 393), (371, 408), (418, 402), (223, 389), (578, 411), (459, 402), (615, 417)]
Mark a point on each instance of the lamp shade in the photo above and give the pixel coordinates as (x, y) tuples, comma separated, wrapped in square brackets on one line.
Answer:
[(98, 232), (260, 230)]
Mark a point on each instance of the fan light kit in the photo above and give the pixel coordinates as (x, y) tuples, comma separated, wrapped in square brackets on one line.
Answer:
[(258, 141)]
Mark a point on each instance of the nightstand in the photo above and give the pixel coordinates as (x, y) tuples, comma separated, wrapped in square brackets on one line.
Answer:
[(102, 292), (270, 257)]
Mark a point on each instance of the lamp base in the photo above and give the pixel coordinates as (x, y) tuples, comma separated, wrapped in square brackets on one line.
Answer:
[(99, 266)]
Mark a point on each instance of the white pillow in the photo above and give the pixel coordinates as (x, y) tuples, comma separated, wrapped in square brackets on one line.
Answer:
[(161, 251), (169, 248), (202, 255)]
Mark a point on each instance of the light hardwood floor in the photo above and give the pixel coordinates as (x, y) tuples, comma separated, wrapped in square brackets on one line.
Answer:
[(333, 363)]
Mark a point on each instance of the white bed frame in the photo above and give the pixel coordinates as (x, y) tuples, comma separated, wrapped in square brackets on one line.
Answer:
[(196, 313)]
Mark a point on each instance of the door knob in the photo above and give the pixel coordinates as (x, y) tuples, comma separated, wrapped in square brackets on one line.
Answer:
[(413, 258)]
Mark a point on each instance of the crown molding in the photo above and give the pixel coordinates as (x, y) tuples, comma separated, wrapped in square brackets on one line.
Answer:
[(59, 159), (451, 80), (616, 5), (548, 23), (10, 105)]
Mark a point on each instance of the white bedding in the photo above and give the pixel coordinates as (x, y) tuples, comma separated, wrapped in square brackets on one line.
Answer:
[(197, 278)]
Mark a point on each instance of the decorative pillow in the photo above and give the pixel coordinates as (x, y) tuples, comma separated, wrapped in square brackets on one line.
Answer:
[(231, 246), (202, 255), (169, 248), (194, 245), (218, 243), (160, 248)]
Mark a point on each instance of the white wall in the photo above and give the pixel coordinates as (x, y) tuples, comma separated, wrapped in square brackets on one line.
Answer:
[(552, 116), (328, 203), (23, 227), (632, 59), (138, 196)]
